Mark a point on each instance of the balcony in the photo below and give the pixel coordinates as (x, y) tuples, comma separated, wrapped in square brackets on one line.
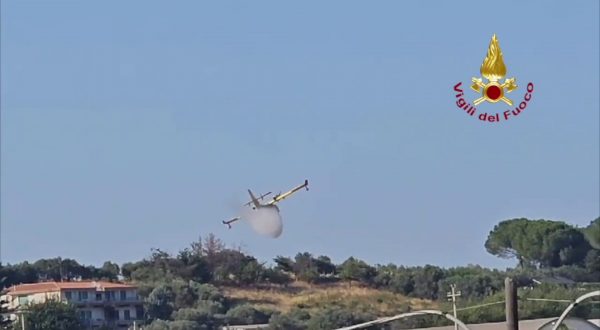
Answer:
[(104, 302), (99, 323), (126, 301)]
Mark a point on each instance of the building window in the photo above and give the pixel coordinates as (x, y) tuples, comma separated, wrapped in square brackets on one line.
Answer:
[(83, 295), (98, 296), (123, 295), (127, 315), (23, 300), (85, 315), (68, 295), (139, 312)]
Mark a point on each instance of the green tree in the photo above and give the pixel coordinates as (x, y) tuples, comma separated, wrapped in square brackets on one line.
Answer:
[(275, 276), (402, 281), (252, 272), (325, 266), (127, 269), (394, 278), (158, 325), (52, 315), (160, 303), (109, 270), (25, 273), (592, 264), (50, 269), (19, 273), (473, 281), (211, 249), (295, 319), (565, 246), (185, 293), (305, 268), (147, 273), (356, 270), (538, 243), (501, 241), (210, 292), (199, 315), (384, 275), (205, 312), (592, 233), (246, 314), (309, 275), (284, 264), (194, 266), (426, 281), (230, 267)]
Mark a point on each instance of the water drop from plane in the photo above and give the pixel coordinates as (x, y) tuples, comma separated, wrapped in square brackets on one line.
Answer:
[(265, 221)]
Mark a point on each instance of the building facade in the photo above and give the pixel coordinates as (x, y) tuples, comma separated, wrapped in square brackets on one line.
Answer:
[(98, 302)]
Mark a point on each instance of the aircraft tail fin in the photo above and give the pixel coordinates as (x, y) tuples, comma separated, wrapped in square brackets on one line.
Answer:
[(254, 199)]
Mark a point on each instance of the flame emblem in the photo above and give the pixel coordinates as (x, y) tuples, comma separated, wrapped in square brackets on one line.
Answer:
[(493, 69)]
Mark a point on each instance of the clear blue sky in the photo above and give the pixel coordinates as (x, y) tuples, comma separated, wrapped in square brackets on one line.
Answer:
[(132, 125)]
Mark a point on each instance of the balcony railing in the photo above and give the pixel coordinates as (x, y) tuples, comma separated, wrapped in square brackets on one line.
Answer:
[(128, 300), (96, 323)]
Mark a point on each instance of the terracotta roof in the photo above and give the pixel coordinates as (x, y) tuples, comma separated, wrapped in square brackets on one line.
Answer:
[(33, 288), (58, 286)]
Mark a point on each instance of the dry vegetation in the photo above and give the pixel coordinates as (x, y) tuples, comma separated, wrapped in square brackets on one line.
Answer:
[(300, 294)]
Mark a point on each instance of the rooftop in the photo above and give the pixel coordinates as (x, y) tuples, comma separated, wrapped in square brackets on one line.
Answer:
[(22, 289)]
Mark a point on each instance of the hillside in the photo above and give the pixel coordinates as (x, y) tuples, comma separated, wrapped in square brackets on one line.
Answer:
[(209, 284), (316, 297)]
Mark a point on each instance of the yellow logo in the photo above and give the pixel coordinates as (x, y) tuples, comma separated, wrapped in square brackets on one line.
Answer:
[(493, 89), (493, 69)]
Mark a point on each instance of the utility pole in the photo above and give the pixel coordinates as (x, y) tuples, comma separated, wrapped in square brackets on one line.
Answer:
[(20, 312), (452, 297), (512, 310), (21, 315)]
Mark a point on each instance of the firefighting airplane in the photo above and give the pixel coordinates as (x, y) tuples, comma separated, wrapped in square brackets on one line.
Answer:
[(255, 203)]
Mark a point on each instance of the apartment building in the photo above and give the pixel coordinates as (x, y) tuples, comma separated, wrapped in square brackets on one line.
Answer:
[(98, 302)]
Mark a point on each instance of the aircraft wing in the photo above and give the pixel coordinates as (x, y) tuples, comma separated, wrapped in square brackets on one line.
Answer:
[(254, 200), (283, 196), (228, 222), (252, 196)]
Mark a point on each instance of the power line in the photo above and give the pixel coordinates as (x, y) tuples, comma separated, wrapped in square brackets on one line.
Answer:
[(481, 305), (552, 300), (528, 299)]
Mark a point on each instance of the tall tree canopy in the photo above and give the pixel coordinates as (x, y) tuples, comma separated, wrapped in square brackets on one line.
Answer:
[(538, 243)]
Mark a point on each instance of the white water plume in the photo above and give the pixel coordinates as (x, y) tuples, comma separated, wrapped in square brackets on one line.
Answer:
[(265, 221)]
